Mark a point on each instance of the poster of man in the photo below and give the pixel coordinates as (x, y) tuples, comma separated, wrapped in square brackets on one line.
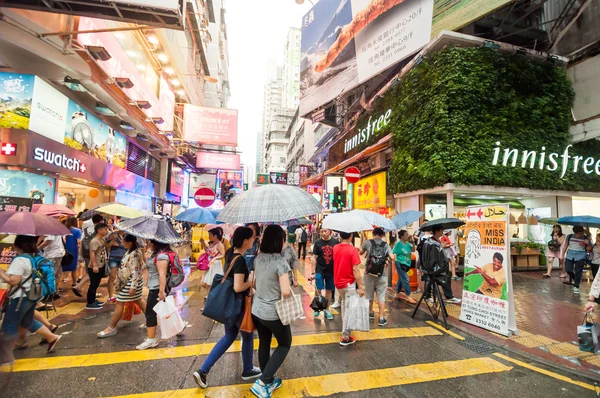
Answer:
[(494, 278)]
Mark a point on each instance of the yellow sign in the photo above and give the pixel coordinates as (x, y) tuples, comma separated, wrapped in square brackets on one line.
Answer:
[(371, 192)]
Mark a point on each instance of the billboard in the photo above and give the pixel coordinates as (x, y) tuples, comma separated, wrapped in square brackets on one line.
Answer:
[(346, 42), (176, 180), (235, 178), (262, 179), (216, 126), (217, 160), (278, 178), (199, 180), (370, 192)]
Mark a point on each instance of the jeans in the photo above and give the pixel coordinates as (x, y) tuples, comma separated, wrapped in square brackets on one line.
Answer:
[(343, 294), (446, 287), (231, 333), (403, 281), (95, 279), (114, 262), (302, 249), (575, 270), (19, 313), (269, 364)]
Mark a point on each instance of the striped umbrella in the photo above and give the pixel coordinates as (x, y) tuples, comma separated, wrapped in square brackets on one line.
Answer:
[(377, 219), (407, 218), (270, 203)]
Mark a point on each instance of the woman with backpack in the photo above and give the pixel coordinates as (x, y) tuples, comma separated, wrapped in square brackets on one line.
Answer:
[(554, 251), (129, 283), (243, 280), (19, 315)]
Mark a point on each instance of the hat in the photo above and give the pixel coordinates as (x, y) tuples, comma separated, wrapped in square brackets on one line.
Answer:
[(447, 231)]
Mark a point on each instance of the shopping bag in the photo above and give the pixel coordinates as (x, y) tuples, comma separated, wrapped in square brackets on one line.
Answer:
[(289, 308), (223, 304), (128, 311), (589, 335), (356, 314), (136, 309), (247, 321), (169, 320)]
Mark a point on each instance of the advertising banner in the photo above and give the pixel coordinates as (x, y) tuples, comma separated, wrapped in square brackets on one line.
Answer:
[(198, 180), (16, 92), (176, 180), (12, 203), (278, 178), (370, 192), (27, 185), (214, 160), (262, 179), (48, 111), (205, 125), (346, 42), (235, 178), (487, 299), (314, 189), (88, 134), (304, 173)]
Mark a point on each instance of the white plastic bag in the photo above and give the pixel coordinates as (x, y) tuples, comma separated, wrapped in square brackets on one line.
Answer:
[(169, 320), (356, 314)]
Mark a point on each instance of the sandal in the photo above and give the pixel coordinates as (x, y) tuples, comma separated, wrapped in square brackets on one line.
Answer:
[(562, 276), (547, 276), (410, 300), (21, 346), (112, 332), (53, 331)]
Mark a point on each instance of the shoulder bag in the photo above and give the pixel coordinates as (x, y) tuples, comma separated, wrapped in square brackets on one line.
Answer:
[(223, 304), (68, 257), (289, 308), (247, 321)]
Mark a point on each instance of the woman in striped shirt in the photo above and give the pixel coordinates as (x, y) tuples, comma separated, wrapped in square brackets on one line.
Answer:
[(129, 283)]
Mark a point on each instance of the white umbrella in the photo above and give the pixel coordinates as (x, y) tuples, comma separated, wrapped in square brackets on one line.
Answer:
[(376, 219), (347, 222), (269, 203)]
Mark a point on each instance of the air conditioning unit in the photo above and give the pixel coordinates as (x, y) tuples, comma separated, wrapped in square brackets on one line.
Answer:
[(377, 161)]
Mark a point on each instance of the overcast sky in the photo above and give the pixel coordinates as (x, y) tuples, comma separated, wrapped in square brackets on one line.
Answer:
[(257, 31)]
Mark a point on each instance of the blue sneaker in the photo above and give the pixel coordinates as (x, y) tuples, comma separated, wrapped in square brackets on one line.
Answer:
[(259, 390), (316, 314), (274, 385), (328, 315), (93, 306)]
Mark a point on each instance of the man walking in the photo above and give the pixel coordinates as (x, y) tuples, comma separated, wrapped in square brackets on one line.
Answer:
[(346, 278), (88, 235), (302, 241), (376, 279), (323, 267), (96, 268), (54, 249)]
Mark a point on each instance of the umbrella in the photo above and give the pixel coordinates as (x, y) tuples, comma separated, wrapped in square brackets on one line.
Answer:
[(584, 221), (347, 222), (93, 211), (52, 210), (406, 218), (376, 219), (31, 224), (198, 215), (269, 203), (445, 223), (548, 221), (120, 210), (151, 227), (293, 221)]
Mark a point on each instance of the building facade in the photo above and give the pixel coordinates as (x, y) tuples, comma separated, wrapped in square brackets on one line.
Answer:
[(291, 70)]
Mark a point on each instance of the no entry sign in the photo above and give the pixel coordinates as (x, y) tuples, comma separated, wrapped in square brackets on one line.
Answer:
[(204, 197), (352, 175)]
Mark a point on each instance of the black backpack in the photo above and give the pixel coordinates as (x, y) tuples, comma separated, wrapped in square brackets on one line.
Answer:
[(85, 243), (304, 236), (377, 258)]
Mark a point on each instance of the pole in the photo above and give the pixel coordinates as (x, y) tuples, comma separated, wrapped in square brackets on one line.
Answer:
[(77, 32)]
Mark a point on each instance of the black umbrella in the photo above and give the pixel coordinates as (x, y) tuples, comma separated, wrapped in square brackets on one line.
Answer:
[(445, 223)]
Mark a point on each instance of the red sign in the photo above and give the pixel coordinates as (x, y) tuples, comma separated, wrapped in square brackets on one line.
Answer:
[(8, 149), (205, 197), (352, 175), (216, 126), (216, 160)]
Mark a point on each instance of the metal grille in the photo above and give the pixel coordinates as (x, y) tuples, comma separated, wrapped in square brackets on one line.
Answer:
[(136, 160), (477, 345), (153, 169)]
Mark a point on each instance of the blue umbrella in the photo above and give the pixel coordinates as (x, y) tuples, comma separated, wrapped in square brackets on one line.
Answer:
[(584, 221), (407, 218), (198, 215)]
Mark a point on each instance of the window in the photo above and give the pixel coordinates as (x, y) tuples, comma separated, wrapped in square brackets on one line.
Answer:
[(281, 160)]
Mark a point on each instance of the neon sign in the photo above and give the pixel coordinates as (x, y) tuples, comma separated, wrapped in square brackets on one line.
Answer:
[(60, 160)]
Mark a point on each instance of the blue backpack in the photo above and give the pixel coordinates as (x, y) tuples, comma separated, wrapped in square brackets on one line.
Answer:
[(43, 269)]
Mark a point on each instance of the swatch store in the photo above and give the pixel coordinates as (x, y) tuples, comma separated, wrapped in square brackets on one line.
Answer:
[(54, 150)]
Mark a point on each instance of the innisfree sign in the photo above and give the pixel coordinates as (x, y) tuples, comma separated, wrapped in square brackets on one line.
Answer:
[(550, 161)]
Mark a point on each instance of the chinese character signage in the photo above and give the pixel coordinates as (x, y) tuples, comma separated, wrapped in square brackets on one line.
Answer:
[(7, 253), (370, 192), (217, 160), (12, 203), (278, 178), (346, 42), (312, 189), (487, 299), (304, 172), (235, 178), (216, 126), (262, 179)]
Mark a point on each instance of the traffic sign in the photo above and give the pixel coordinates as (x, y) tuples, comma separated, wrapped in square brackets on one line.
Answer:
[(352, 175), (205, 197)]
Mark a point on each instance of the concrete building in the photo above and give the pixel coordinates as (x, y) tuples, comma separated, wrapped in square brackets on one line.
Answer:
[(291, 69), (271, 104), (216, 94), (275, 158)]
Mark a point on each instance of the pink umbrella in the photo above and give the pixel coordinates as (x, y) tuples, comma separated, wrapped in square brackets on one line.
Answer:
[(52, 210), (32, 224)]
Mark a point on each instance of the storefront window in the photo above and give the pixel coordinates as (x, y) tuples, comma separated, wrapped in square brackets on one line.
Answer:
[(27, 185)]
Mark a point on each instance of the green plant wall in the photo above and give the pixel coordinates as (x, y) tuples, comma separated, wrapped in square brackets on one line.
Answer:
[(451, 109)]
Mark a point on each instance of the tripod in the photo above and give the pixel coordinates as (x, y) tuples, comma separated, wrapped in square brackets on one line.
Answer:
[(438, 306)]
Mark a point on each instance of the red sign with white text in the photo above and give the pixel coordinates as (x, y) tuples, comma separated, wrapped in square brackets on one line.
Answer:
[(352, 175), (214, 160), (205, 197), (216, 126)]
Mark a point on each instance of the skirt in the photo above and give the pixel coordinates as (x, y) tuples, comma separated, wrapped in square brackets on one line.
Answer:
[(557, 254), (124, 296), (215, 269)]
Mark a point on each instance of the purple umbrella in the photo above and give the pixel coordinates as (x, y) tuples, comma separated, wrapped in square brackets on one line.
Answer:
[(31, 224)]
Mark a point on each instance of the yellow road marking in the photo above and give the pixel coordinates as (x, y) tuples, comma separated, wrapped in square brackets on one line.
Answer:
[(110, 358), (546, 372), (443, 329), (317, 386)]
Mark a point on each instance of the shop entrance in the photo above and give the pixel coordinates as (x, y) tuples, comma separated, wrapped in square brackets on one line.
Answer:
[(78, 196)]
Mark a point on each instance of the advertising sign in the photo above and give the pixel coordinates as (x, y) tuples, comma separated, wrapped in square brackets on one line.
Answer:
[(370, 192), (278, 178), (7, 253), (217, 160), (304, 173), (176, 180), (235, 178), (487, 299), (314, 189), (88, 134), (12, 203), (198, 180), (205, 125), (48, 111), (16, 91), (346, 42), (27, 185), (262, 179)]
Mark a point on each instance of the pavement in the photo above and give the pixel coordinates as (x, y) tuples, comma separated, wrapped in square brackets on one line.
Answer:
[(407, 358)]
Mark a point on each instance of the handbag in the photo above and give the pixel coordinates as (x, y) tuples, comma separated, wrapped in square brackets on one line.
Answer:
[(202, 263), (588, 334), (223, 304), (289, 308), (356, 314), (247, 321), (68, 257)]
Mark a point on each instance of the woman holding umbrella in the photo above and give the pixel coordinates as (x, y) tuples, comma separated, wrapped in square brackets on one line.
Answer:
[(216, 253)]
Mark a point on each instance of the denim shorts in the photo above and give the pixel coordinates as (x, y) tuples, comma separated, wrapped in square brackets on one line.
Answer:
[(23, 317), (114, 262), (324, 282)]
